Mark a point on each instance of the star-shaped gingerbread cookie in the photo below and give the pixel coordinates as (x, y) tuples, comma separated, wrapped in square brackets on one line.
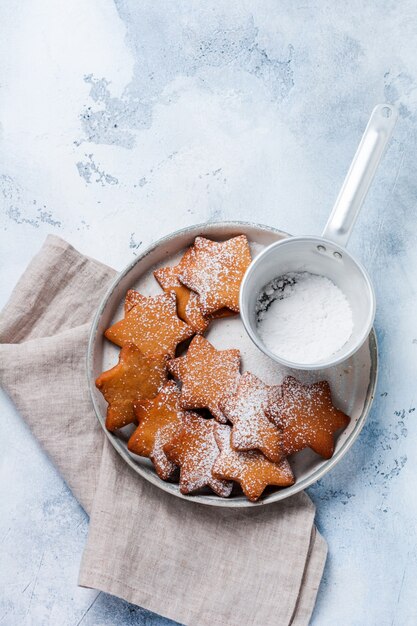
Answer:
[(307, 417), (136, 377), (252, 470), (194, 450), (251, 427), (215, 270), (152, 324), (159, 420), (208, 376)]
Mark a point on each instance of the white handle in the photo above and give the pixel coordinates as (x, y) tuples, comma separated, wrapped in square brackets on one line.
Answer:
[(361, 174)]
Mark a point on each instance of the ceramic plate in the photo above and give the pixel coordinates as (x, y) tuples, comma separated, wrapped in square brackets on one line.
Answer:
[(352, 382)]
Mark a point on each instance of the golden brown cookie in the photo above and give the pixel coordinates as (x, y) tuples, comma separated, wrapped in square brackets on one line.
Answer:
[(152, 325), (159, 420), (208, 376), (188, 305), (136, 377), (188, 302), (252, 470), (194, 450), (307, 417), (251, 428), (215, 270)]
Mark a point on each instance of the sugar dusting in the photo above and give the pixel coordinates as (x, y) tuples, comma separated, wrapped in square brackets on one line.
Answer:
[(251, 468), (215, 270), (251, 427), (152, 325), (307, 416), (303, 317), (207, 376), (195, 450)]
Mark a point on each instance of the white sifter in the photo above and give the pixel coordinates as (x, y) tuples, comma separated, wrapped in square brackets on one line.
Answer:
[(327, 255)]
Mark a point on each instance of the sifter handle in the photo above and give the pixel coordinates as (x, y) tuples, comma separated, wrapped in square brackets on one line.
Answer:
[(361, 174)]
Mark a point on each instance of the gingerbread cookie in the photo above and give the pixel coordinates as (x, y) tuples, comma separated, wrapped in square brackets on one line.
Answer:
[(215, 270), (159, 420), (195, 450), (252, 470), (307, 417), (251, 427), (208, 376), (152, 325), (135, 378), (188, 304)]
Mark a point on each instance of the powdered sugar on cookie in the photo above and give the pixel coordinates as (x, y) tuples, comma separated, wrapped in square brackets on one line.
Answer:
[(215, 270), (251, 469), (306, 416), (251, 428), (152, 325), (195, 450), (208, 376)]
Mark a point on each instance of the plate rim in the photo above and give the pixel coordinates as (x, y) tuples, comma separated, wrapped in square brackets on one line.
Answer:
[(299, 485)]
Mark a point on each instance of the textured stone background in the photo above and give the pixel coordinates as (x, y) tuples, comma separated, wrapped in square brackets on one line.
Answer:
[(122, 121)]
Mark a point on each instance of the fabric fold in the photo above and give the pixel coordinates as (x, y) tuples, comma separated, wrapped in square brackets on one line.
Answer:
[(192, 563)]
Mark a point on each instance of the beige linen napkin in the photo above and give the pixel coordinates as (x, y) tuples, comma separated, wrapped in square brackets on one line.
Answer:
[(195, 564)]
